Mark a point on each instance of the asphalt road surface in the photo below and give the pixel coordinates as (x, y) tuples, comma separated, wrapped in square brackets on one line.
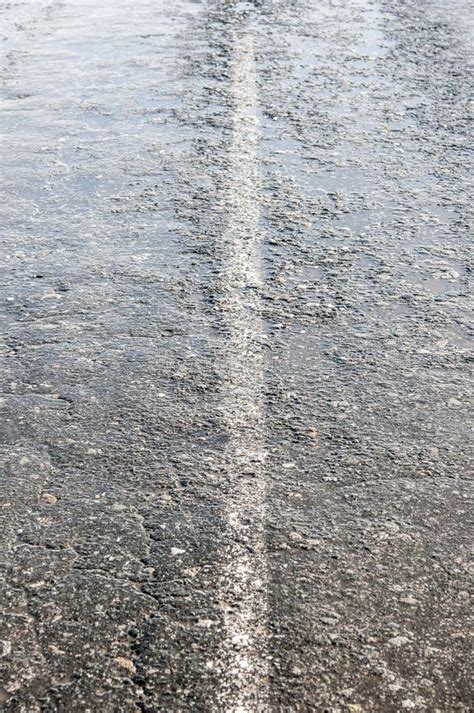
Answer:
[(235, 372)]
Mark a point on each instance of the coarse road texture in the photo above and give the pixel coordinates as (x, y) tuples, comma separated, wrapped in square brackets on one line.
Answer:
[(235, 373)]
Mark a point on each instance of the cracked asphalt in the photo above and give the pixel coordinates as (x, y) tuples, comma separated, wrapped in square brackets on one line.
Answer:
[(236, 365)]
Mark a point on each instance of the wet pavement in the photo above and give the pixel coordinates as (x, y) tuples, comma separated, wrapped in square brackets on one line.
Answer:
[(236, 360)]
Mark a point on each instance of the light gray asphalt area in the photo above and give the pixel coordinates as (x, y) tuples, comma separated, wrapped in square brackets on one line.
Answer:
[(235, 367)]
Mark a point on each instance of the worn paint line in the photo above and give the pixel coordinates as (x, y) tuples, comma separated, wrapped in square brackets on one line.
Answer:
[(243, 581)]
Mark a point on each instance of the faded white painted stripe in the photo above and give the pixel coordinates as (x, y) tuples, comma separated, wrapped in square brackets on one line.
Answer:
[(243, 581)]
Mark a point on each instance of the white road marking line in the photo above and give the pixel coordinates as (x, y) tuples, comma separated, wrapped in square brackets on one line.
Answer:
[(243, 585)]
